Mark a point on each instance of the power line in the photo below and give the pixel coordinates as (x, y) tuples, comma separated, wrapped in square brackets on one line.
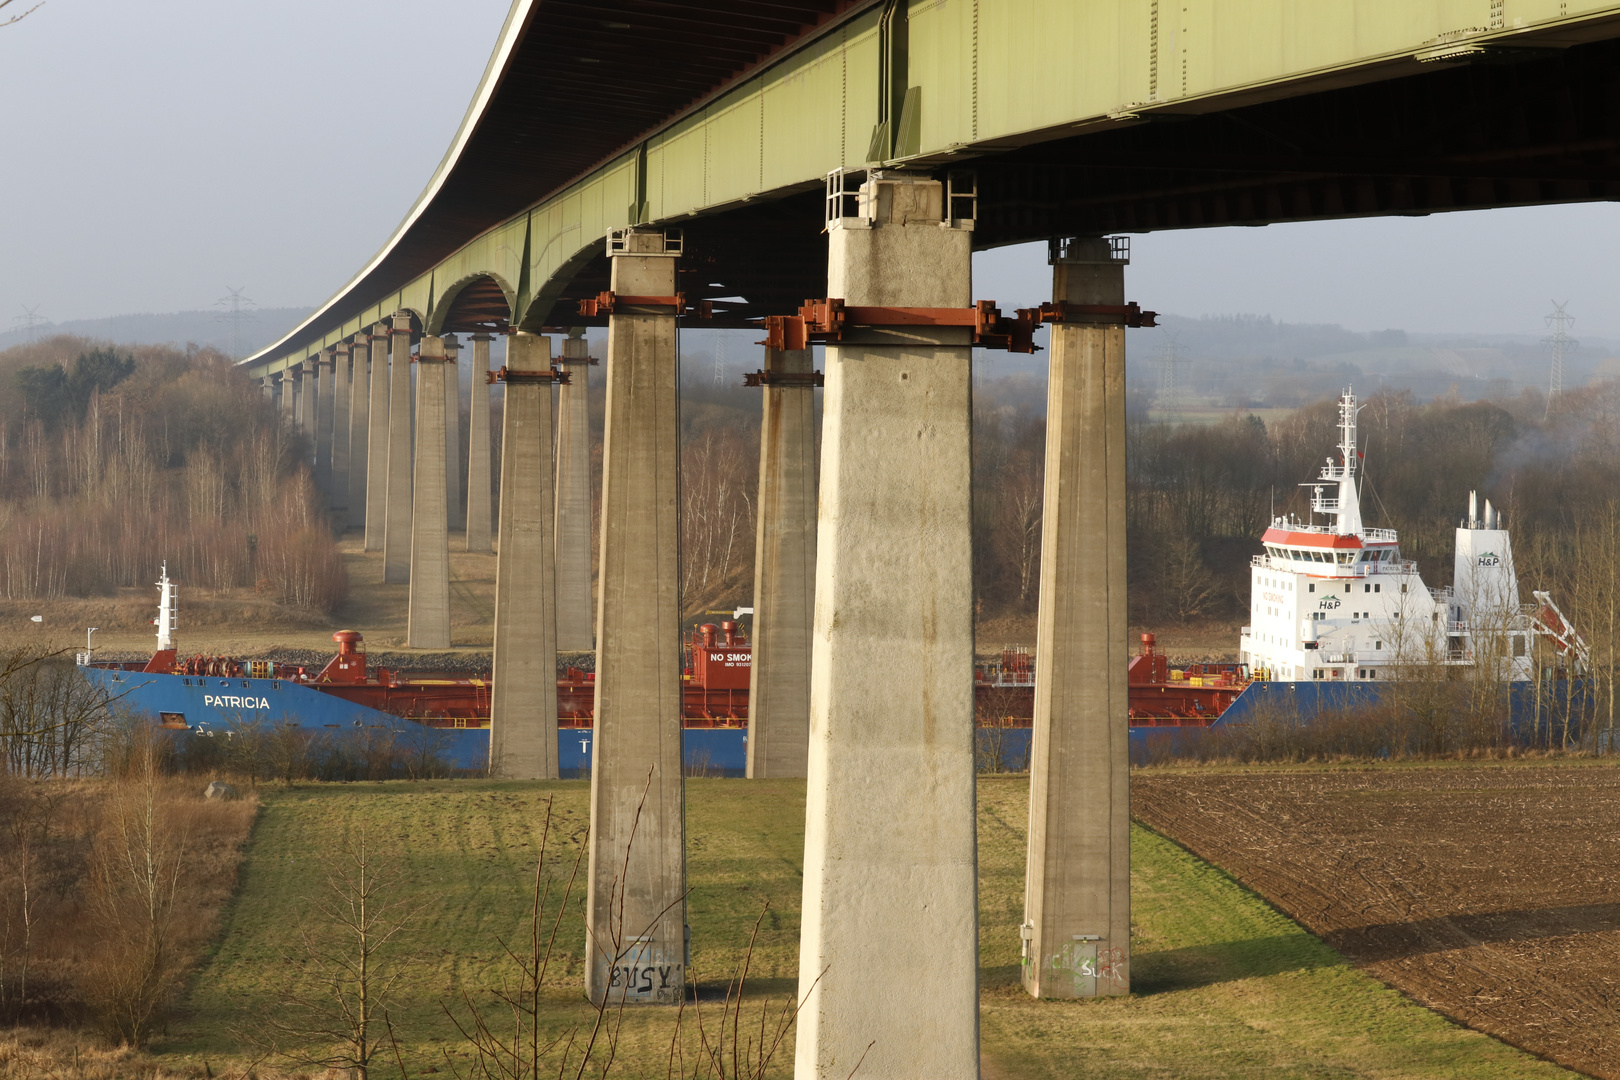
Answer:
[(236, 311), (1560, 345)]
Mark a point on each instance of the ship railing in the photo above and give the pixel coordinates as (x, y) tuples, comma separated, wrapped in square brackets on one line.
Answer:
[(1382, 536), (1444, 592), (1325, 506), (1266, 562)]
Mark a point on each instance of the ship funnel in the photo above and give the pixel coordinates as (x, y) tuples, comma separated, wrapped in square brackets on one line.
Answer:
[(1490, 515), (1473, 509)]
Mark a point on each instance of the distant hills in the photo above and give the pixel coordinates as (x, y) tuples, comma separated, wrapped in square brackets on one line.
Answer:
[(257, 328)]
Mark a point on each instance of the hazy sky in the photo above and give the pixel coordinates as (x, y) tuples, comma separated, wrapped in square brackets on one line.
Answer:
[(158, 153)]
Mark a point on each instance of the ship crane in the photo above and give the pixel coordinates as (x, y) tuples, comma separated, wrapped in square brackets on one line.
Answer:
[(1549, 622)]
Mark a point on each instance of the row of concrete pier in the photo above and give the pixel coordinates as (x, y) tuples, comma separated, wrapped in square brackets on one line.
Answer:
[(863, 653)]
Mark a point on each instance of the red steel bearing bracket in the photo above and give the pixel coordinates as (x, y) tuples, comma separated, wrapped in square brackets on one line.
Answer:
[(783, 378), (507, 375), (826, 320), (604, 303), (1091, 314)]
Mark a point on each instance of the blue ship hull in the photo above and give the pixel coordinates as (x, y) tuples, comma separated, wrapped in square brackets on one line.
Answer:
[(211, 704)]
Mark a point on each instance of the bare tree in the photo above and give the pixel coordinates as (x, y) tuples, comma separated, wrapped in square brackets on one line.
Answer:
[(351, 945)]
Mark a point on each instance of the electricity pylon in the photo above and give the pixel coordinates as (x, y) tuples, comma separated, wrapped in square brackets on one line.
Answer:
[(1560, 345), (235, 312)]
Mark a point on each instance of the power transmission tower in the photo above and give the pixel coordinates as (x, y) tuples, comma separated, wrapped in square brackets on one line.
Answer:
[(1169, 360), (236, 310), (1560, 345), (719, 358), (31, 320)]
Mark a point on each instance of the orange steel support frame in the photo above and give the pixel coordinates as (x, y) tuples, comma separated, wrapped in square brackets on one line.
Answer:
[(829, 319)]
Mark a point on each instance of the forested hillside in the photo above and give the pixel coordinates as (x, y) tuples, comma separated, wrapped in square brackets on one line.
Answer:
[(113, 460)]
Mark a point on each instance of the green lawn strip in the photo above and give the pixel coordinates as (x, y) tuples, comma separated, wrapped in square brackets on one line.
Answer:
[(1226, 986), (467, 852)]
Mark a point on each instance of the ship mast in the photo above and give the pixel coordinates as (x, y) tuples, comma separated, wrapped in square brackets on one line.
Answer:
[(1347, 505), (167, 614)]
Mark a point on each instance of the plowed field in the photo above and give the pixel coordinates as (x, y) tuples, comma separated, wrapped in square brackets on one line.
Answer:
[(1489, 893)]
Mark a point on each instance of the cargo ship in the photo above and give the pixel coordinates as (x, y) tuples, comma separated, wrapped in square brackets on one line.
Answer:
[(446, 711), (1335, 611), (449, 712), (1335, 602)]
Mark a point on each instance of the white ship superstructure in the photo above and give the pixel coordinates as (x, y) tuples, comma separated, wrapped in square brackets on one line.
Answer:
[(1337, 602)]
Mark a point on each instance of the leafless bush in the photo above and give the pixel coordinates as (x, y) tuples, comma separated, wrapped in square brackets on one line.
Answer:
[(997, 738), (51, 716), (134, 884)]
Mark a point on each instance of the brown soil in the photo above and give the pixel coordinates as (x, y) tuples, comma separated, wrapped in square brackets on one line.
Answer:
[(1488, 893)]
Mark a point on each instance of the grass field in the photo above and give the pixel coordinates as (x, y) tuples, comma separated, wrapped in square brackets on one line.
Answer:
[(1225, 986)]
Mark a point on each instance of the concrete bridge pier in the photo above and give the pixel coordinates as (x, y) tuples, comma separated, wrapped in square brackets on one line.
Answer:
[(452, 427), (428, 621), (635, 914), (377, 439), (325, 365), (576, 615), (359, 430), (523, 697), (398, 497), (305, 389), (339, 500), (286, 396), (784, 570), (478, 514), (888, 948), (1077, 899)]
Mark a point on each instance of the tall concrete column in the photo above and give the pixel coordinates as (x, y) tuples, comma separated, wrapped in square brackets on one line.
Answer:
[(784, 570), (478, 520), (376, 500), (428, 625), (267, 389), (1077, 896), (523, 692), (576, 615), (452, 427), (397, 511), (635, 915), (359, 430), (339, 501), (888, 948), (325, 364), (306, 404), (289, 397)]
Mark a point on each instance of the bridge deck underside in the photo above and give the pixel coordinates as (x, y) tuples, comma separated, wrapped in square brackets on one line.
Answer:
[(1459, 137)]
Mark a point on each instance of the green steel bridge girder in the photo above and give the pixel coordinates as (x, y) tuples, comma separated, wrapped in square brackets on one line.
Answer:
[(965, 83)]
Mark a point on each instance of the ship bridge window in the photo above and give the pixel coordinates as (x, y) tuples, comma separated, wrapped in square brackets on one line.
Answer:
[(1346, 558)]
